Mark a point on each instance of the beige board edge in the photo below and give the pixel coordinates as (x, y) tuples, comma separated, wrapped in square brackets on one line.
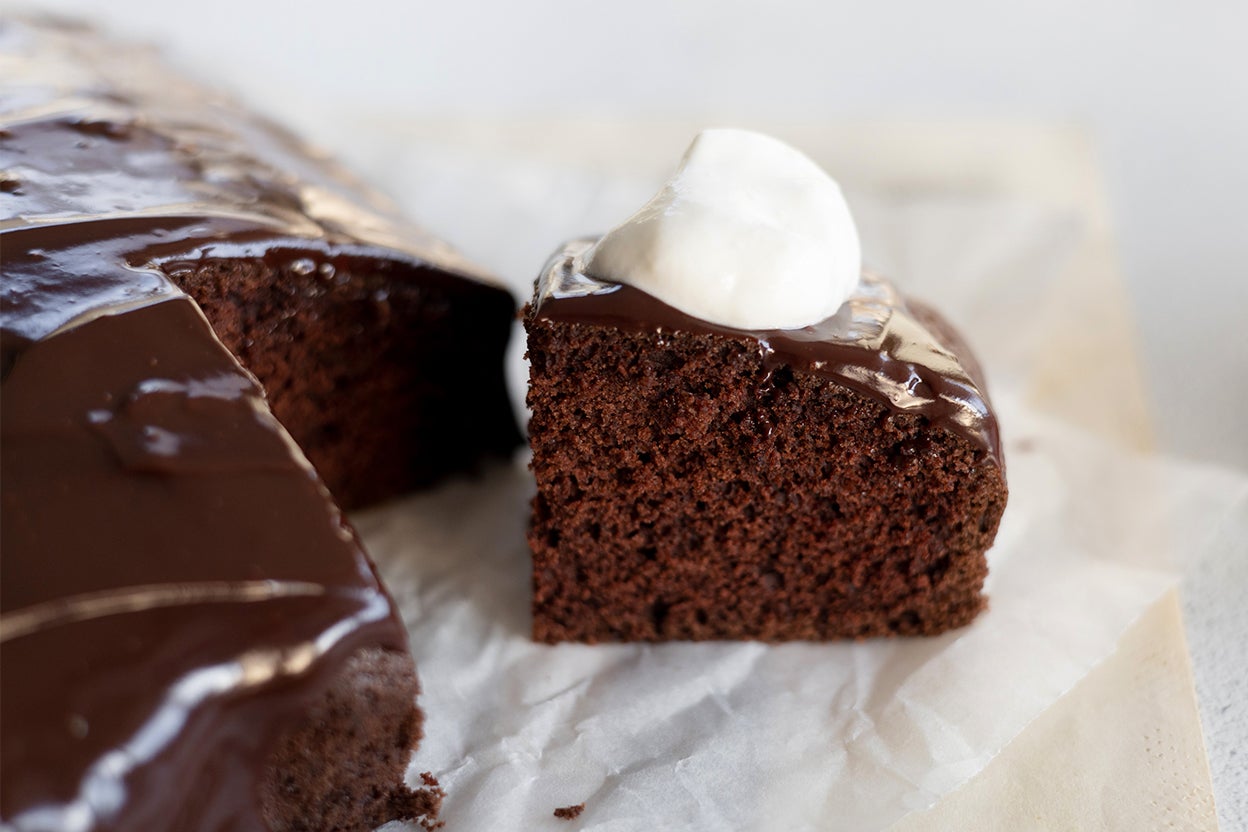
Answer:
[(1123, 750)]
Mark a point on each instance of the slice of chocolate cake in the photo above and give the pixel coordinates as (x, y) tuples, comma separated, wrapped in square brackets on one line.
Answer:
[(190, 634), (703, 480)]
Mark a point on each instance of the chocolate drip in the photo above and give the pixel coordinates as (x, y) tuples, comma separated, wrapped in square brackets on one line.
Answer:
[(878, 343)]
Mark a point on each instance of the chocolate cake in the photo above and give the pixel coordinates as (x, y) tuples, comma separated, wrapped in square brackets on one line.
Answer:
[(695, 481), (190, 635)]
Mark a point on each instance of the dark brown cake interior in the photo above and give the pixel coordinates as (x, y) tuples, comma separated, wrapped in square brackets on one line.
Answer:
[(688, 491), (363, 362), (342, 767)]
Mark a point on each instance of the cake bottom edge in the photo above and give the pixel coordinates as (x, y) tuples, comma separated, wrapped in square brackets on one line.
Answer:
[(343, 765)]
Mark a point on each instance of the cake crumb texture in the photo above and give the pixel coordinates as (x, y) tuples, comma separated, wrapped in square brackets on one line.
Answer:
[(388, 376), (685, 490)]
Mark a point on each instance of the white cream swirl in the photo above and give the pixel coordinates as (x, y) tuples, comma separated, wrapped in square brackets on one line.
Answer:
[(748, 233)]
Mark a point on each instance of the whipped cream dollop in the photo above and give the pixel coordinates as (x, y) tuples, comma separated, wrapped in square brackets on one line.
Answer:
[(748, 233)]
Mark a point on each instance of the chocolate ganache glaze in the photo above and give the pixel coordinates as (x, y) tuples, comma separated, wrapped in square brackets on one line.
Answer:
[(176, 585), (878, 343)]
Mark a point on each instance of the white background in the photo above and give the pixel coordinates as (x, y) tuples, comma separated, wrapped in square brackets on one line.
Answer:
[(1162, 87)]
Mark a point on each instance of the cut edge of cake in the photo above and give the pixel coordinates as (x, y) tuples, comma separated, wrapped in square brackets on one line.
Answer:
[(698, 482)]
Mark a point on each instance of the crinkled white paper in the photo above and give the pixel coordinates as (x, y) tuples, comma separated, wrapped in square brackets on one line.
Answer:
[(736, 736)]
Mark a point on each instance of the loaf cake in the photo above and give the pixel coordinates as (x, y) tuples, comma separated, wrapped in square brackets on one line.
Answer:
[(697, 480), (208, 330)]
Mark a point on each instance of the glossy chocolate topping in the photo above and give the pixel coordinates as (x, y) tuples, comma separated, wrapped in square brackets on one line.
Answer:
[(96, 132), (176, 585), (878, 343)]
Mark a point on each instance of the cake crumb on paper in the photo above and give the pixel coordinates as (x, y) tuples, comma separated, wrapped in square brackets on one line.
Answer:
[(428, 822), (570, 812)]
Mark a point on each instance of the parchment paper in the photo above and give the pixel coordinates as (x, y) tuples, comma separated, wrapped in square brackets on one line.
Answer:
[(798, 736)]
